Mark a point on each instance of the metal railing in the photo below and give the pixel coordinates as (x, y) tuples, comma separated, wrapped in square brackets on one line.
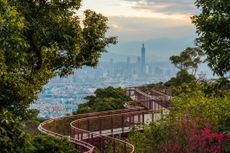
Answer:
[(96, 132)]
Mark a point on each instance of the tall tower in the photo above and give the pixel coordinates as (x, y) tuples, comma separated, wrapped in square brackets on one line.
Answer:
[(143, 58)]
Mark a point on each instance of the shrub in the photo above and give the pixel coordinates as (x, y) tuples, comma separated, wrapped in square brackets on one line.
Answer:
[(12, 138), (47, 144)]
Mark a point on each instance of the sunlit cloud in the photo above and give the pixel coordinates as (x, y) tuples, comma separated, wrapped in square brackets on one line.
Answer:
[(118, 28), (170, 7), (143, 8), (146, 19), (134, 28)]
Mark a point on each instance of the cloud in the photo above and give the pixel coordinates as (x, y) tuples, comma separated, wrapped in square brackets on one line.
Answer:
[(137, 20), (138, 28), (165, 6), (116, 27)]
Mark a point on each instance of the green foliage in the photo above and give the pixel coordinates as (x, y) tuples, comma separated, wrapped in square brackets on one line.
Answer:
[(213, 28), (33, 115), (104, 99), (43, 144), (154, 86), (31, 127), (41, 39), (190, 58), (216, 88), (151, 139), (197, 104), (219, 87), (181, 77), (186, 88), (12, 138), (194, 107)]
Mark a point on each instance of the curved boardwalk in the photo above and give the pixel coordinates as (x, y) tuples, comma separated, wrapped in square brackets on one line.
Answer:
[(95, 132)]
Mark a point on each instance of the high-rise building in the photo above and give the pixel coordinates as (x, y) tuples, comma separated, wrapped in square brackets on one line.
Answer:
[(143, 58), (128, 60), (138, 60)]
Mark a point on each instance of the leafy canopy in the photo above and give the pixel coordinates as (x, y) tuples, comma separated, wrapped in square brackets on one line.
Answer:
[(104, 99), (210, 108), (43, 143), (190, 58), (191, 113), (182, 77), (41, 39), (213, 28), (12, 137)]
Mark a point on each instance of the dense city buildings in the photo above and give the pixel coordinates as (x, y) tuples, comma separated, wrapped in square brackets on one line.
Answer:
[(62, 95)]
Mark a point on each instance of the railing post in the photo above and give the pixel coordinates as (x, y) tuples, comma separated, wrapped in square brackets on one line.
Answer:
[(111, 124), (99, 124), (71, 132), (122, 123), (129, 119), (64, 126), (143, 118), (151, 104), (101, 145), (92, 139), (124, 149), (78, 137), (158, 106), (88, 128), (74, 132), (139, 118), (153, 116)]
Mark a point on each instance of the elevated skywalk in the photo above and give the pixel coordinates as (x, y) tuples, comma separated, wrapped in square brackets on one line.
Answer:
[(96, 131)]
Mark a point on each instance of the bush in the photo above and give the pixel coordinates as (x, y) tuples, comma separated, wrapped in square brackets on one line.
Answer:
[(181, 77), (47, 144), (104, 99), (12, 138), (197, 122), (197, 104), (188, 136)]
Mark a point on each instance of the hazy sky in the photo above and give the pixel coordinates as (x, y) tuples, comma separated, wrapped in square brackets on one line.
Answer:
[(138, 20)]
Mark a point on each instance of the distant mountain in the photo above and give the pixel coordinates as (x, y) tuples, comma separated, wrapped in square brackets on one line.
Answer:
[(156, 49)]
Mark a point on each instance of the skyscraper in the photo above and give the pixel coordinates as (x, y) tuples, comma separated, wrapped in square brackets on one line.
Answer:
[(143, 58), (128, 60)]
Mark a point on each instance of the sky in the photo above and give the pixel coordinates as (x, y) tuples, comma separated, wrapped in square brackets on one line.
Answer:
[(140, 20)]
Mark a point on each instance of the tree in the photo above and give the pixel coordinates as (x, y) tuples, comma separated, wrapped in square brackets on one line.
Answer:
[(198, 105), (190, 58), (182, 77), (42, 39), (104, 99), (195, 123), (43, 143), (12, 137), (213, 28)]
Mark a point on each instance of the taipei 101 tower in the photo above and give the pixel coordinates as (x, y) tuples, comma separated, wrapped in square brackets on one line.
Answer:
[(143, 58)]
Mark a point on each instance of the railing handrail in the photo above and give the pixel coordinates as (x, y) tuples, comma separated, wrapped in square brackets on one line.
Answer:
[(130, 113), (74, 141), (81, 143), (98, 115)]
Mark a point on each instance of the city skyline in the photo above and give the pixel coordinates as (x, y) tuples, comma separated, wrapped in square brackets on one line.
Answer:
[(164, 26), (148, 31)]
